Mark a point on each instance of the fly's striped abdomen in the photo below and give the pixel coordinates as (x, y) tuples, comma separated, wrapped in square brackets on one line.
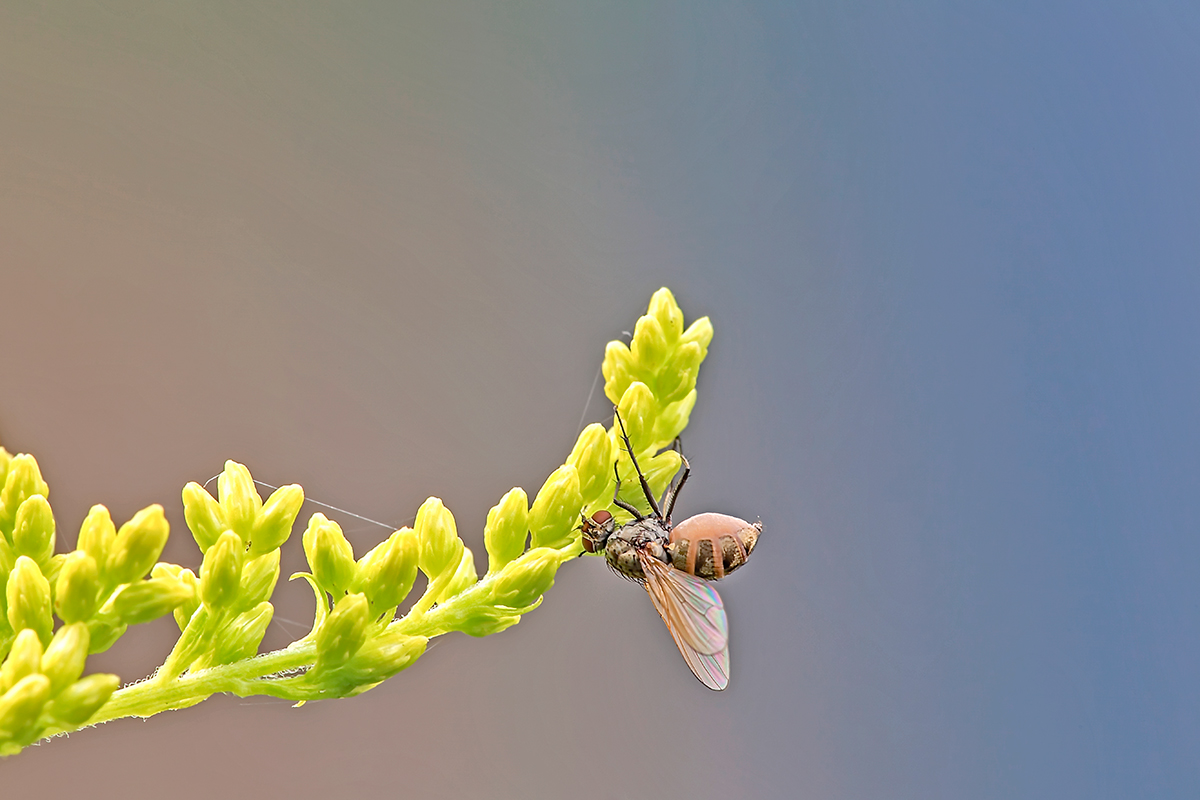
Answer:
[(712, 545)]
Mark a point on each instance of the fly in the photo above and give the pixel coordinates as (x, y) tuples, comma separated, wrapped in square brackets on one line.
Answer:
[(675, 563)]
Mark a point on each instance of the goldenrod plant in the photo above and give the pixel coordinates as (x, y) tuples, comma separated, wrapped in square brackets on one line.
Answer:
[(58, 608)]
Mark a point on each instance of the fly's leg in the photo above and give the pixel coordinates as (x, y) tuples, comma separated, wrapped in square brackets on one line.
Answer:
[(641, 477), (617, 501), (673, 493)]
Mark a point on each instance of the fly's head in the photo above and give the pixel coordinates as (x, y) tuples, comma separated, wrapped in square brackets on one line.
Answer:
[(596, 530)]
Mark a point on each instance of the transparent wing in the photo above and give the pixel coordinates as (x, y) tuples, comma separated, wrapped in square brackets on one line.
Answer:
[(696, 618), (696, 610)]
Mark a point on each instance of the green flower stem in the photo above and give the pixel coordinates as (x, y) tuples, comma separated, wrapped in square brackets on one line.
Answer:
[(431, 623), (256, 676), (435, 588), (186, 647), (242, 678)]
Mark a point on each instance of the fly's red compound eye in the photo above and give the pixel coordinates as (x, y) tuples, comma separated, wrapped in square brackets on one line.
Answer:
[(595, 531)]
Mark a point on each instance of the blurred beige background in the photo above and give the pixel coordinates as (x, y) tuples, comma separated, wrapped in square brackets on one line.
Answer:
[(377, 249), (369, 251)]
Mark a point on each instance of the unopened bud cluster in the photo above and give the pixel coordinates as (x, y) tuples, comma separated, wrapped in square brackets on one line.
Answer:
[(112, 580), (356, 602), (652, 382), (226, 611), (665, 359), (41, 669), (357, 645), (56, 609)]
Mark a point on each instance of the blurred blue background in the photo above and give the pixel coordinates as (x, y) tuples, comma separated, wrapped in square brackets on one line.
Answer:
[(950, 252)]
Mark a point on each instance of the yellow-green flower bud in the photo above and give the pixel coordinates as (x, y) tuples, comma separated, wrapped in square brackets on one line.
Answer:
[(221, 571), (65, 657), (638, 409), (5, 460), (465, 576), (483, 620), (330, 556), (593, 459), (259, 576), (28, 594), (143, 601), (243, 634), (183, 612), (21, 705), (97, 534), (386, 574), (664, 308), (204, 516), (25, 658), (529, 577), (22, 481), (343, 632), (678, 377), (674, 418), (7, 560), (700, 332), (53, 566), (195, 640), (441, 549), (555, 511), (239, 499), (618, 369), (274, 523), (383, 656), (507, 529), (103, 632), (649, 345), (82, 699), (165, 569), (138, 545), (33, 531), (77, 590)]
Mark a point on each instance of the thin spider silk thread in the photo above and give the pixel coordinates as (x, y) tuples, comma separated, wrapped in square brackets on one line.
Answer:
[(308, 499)]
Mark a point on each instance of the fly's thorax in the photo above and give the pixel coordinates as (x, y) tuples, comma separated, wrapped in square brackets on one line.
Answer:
[(711, 546), (648, 536)]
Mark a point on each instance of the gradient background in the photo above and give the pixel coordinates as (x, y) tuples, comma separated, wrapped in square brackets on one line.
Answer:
[(951, 254)]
